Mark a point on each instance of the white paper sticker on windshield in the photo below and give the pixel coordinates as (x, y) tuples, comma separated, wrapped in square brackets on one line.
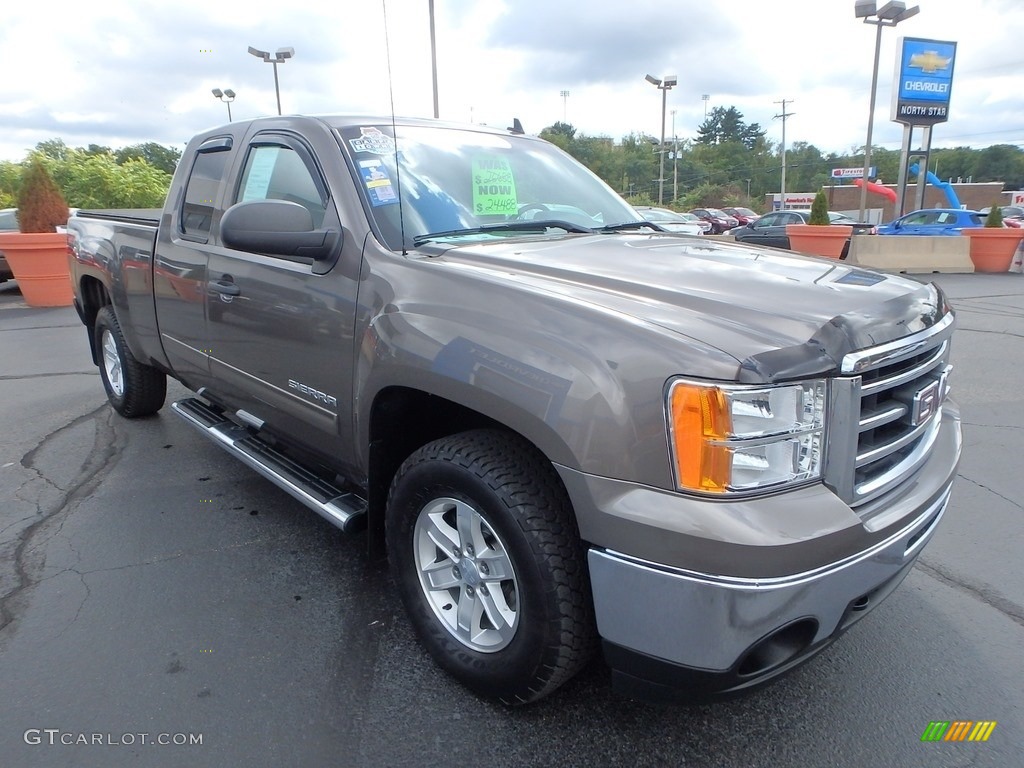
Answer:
[(378, 183), (494, 188), (373, 141), (261, 168)]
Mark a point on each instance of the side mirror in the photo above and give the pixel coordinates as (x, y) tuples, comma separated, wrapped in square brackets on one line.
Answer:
[(277, 228)]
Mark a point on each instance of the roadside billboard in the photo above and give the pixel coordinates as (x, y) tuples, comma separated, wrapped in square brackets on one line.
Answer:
[(924, 81)]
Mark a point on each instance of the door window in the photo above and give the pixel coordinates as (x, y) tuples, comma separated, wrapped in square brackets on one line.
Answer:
[(275, 172), (201, 193)]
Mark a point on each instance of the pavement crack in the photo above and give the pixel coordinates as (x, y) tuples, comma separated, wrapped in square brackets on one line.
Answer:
[(994, 493), (964, 329), (101, 459), (990, 426), (982, 593)]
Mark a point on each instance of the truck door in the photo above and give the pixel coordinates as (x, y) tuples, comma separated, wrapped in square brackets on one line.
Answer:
[(280, 329), (179, 269)]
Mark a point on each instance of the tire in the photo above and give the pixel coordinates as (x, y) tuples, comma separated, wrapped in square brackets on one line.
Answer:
[(504, 605), (133, 389)]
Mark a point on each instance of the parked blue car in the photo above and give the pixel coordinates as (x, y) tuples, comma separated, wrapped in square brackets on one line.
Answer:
[(933, 221)]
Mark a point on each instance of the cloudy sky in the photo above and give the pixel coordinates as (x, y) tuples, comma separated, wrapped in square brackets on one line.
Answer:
[(116, 72)]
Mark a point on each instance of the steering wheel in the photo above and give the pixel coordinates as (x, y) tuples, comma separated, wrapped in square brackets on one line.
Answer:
[(533, 207)]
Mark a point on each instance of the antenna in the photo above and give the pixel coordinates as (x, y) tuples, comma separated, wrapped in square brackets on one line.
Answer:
[(394, 131)]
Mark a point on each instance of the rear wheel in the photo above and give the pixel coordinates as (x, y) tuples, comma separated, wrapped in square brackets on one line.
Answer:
[(485, 550), (133, 388)]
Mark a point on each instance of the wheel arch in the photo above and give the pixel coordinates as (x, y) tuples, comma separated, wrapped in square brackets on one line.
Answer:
[(94, 296), (402, 420)]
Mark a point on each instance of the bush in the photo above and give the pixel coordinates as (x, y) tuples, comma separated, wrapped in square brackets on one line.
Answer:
[(41, 206), (995, 217), (819, 210)]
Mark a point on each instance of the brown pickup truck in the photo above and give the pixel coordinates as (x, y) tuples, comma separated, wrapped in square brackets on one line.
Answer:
[(566, 428)]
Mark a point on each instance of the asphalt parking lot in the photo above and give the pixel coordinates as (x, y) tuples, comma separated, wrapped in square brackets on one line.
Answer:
[(151, 586)]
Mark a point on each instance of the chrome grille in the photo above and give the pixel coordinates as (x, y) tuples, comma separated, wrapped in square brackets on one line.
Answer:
[(886, 417)]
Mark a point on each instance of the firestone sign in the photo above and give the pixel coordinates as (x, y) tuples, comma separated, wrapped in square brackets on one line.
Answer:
[(924, 81), (854, 173)]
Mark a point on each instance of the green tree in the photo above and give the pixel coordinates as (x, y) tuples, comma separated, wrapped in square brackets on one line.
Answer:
[(639, 166), (726, 124), (953, 163), (10, 180), (98, 181), (819, 210), (55, 149), (1000, 162), (157, 155)]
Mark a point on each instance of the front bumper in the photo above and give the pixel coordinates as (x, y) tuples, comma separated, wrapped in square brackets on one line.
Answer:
[(723, 635), (695, 598)]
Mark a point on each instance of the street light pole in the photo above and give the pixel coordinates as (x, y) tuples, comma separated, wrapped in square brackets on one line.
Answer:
[(675, 159), (227, 96), (664, 86), (889, 15), (280, 57)]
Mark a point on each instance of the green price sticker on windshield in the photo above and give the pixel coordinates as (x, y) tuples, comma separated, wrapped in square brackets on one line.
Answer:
[(494, 188)]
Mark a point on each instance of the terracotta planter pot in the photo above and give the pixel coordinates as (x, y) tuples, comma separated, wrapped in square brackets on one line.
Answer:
[(992, 248), (819, 240), (39, 262)]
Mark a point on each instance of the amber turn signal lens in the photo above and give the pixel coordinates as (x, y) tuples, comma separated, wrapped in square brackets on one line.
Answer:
[(701, 422)]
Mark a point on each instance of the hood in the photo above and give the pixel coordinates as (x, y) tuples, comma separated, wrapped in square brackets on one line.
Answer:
[(781, 316)]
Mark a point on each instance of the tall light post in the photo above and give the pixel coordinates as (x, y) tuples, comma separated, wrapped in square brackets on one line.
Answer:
[(705, 97), (227, 96), (565, 105), (665, 85), (282, 55), (675, 159), (889, 15)]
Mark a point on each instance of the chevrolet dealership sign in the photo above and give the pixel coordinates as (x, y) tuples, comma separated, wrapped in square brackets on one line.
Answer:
[(924, 81)]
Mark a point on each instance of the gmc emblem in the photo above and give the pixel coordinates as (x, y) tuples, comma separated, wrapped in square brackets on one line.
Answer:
[(927, 400)]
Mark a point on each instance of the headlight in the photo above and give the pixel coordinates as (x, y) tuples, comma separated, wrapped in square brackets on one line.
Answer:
[(731, 439)]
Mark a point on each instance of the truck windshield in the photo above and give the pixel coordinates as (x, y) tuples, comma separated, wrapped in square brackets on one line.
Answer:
[(455, 184)]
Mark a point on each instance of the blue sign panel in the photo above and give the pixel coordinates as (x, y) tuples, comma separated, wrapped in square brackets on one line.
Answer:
[(924, 81)]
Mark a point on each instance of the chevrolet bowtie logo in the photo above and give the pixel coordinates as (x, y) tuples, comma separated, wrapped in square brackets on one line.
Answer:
[(930, 62)]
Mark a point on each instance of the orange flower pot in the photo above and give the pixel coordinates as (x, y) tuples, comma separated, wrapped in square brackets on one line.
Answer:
[(39, 262), (825, 240), (992, 248)]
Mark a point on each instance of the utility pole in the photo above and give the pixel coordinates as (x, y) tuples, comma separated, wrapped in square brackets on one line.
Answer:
[(784, 114), (675, 159)]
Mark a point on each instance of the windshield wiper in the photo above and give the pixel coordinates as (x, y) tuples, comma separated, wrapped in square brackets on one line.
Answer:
[(633, 225), (536, 225)]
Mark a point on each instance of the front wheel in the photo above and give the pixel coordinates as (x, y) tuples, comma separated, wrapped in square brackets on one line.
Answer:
[(133, 388), (485, 550)]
